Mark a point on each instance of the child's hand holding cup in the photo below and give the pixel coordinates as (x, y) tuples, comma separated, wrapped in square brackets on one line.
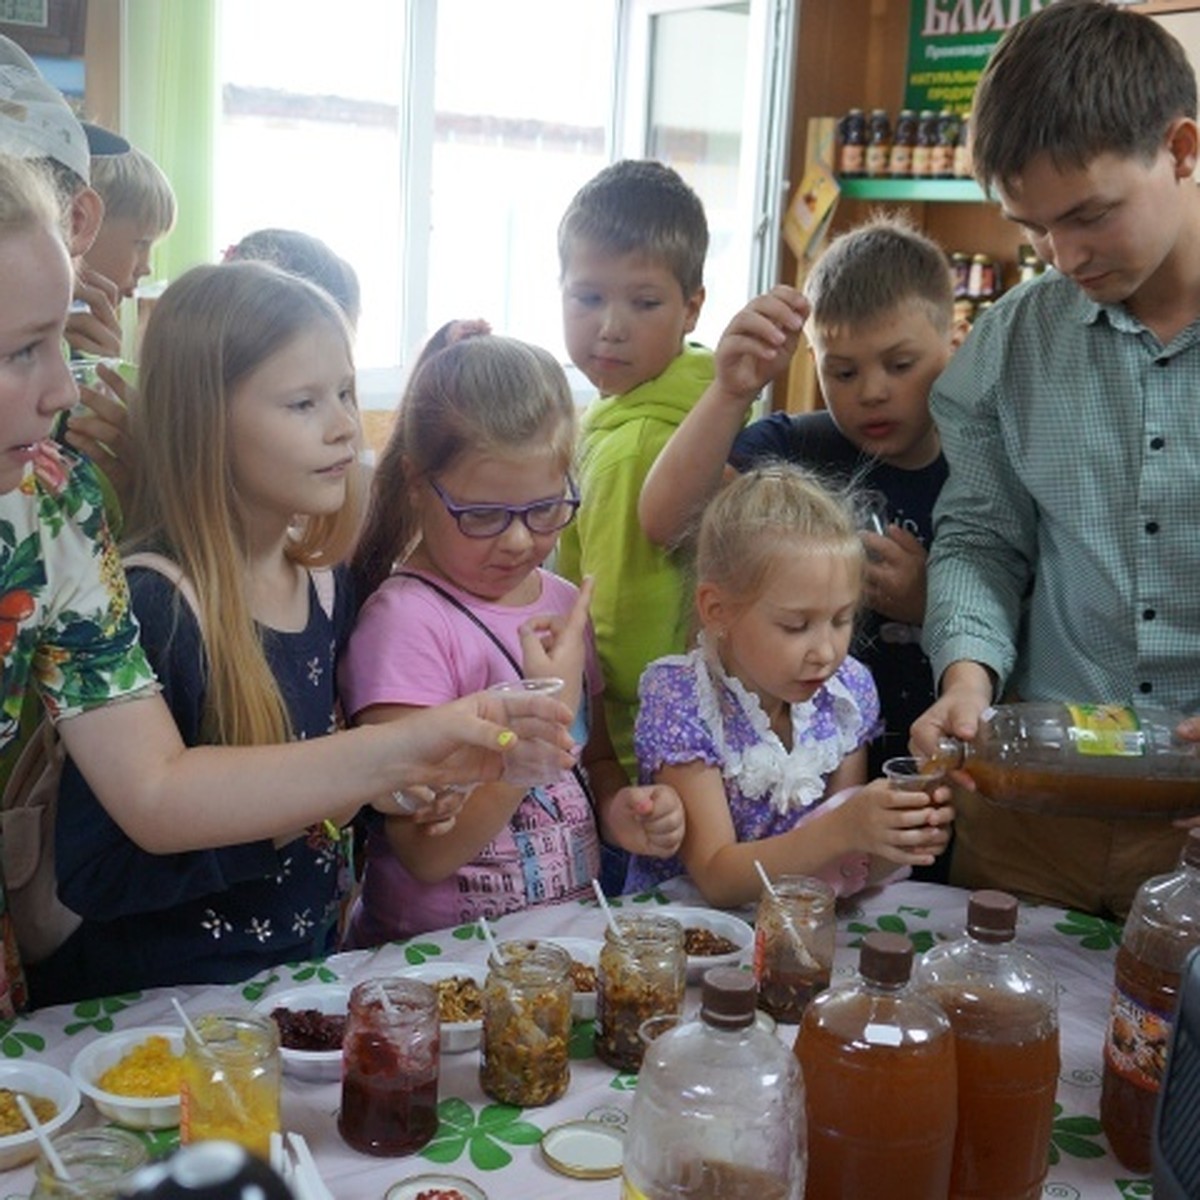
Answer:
[(531, 761)]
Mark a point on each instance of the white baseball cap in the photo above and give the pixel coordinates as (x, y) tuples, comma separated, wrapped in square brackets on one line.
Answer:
[(37, 122)]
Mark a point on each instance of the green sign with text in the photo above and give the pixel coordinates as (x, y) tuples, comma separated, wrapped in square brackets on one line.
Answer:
[(949, 43)]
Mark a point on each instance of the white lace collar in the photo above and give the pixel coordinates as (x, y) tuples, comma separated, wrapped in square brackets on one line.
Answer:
[(792, 779)]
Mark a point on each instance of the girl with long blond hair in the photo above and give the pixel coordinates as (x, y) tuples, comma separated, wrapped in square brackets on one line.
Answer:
[(247, 432)]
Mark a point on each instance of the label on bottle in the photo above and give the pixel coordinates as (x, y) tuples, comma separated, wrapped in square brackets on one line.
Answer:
[(1136, 1045), (629, 1192), (1109, 730)]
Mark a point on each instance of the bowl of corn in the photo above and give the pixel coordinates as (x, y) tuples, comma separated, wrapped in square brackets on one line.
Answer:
[(133, 1076)]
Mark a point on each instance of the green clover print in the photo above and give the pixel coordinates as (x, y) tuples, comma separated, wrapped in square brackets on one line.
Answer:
[(1135, 1189), (1071, 1136), (922, 939), (1094, 933), (303, 972), (98, 1014), (14, 1042), (459, 1130)]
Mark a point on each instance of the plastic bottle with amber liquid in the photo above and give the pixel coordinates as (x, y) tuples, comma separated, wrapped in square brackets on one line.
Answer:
[(1098, 760), (880, 1083), (1163, 926), (719, 1109), (1003, 1007)]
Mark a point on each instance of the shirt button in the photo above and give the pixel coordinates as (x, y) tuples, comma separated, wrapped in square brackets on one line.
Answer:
[(1145, 687), (1157, 443), (1151, 526), (1148, 614)]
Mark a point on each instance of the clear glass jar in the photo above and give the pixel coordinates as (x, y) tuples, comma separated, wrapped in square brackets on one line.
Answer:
[(794, 933), (526, 1024), (642, 972), (231, 1081), (391, 1056), (101, 1163)]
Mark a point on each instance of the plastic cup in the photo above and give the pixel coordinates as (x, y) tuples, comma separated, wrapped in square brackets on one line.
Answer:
[(911, 774), (531, 761)]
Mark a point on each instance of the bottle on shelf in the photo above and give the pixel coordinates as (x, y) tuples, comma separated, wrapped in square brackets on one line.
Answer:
[(879, 144), (1003, 1007), (1163, 926), (852, 161), (880, 1083), (1083, 759), (904, 142), (927, 136), (982, 278), (719, 1106), (962, 151), (942, 158)]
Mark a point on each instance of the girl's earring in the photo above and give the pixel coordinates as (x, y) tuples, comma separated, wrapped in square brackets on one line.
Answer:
[(720, 633)]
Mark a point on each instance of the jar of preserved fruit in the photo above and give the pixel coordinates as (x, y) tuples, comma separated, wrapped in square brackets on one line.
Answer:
[(927, 136), (526, 1024), (391, 1055), (960, 265), (793, 945), (231, 1080), (642, 972), (852, 162), (900, 164), (879, 143), (981, 283)]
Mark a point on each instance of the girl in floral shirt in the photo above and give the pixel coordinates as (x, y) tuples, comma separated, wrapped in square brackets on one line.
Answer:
[(66, 627), (762, 729)]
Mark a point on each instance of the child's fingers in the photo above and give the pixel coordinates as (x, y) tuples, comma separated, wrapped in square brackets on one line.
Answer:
[(577, 619)]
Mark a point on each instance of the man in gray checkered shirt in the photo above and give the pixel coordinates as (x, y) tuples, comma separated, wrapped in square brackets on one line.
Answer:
[(1066, 555)]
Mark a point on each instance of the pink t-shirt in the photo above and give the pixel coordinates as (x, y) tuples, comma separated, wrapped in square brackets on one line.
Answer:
[(412, 647)]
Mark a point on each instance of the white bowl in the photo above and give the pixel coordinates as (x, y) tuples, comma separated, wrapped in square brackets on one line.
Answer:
[(35, 1079), (134, 1112), (586, 951), (722, 923), (457, 1036), (316, 1066)]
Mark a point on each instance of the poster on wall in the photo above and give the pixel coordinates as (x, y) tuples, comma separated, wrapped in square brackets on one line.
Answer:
[(949, 43)]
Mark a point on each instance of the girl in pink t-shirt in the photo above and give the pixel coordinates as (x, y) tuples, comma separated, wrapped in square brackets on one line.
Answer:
[(467, 503)]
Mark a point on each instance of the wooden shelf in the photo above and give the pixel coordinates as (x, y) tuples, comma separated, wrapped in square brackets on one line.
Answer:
[(913, 190)]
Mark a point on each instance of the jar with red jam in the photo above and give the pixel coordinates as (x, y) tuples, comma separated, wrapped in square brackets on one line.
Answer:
[(390, 1060), (526, 1024), (642, 973)]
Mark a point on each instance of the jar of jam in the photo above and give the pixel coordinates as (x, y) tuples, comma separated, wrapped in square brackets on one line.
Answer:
[(879, 143), (960, 265), (101, 1163), (852, 162), (900, 164), (390, 1059), (982, 283), (793, 945), (642, 971), (230, 1080), (526, 1024)]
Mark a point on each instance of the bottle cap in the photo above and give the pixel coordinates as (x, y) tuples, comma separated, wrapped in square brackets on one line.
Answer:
[(728, 998), (1191, 848), (992, 916), (885, 958)]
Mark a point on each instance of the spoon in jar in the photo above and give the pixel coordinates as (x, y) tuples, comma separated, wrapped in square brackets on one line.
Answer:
[(234, 1099), (602, 900), (803, 954), (492, 945), (43, 1139)]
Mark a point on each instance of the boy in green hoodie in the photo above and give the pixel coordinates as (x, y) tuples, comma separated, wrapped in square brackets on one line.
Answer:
[(631, 247)]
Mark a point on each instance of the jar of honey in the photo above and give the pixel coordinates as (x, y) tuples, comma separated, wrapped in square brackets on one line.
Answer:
[(231, 1080), (641, 973), (794, 933)]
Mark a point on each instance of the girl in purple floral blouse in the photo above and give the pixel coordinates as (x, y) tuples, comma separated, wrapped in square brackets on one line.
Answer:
[(763, 727)]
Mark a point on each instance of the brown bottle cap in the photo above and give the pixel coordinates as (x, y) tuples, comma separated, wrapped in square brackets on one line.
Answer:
[(992, 916), (885, 958), (1191, 848), (728, 998)]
